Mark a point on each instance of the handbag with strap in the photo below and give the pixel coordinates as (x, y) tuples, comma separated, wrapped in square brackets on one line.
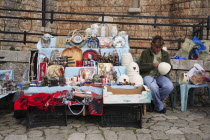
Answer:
[(95, 107), (80, 99)]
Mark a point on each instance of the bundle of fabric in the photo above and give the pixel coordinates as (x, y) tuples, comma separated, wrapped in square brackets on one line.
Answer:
[(194, 49), (185, 49), (41, 100), (21, 103)]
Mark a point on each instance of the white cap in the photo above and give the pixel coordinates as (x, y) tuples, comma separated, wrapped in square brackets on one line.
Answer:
[(123, 78), (137, 79), (164, 68)]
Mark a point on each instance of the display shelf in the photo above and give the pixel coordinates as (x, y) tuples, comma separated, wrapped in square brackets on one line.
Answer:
[(35, 90), (53, 43), (72, 71), (98, 90), (120, 51)]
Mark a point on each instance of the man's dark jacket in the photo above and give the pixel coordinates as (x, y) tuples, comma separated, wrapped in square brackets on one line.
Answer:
[(146, 61)]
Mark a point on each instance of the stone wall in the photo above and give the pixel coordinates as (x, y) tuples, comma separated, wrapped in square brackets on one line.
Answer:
[(19, 25), (17, 61), (175, 8)]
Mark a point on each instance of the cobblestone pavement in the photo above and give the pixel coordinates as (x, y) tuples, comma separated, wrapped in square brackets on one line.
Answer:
[(174, 125)]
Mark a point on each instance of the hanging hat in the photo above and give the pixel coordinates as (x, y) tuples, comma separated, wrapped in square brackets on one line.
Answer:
[(184, 78), (164, 68)]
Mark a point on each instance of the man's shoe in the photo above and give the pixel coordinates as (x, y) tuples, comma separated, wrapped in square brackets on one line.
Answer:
[(162, 111)]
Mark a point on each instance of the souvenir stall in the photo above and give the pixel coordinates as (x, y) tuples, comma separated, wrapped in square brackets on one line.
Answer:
[(90, 71), (7, 88)]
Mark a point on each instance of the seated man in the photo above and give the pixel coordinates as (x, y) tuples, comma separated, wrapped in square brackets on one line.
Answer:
[(161, 86)]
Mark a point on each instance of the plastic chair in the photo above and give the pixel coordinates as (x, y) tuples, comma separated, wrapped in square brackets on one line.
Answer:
[(184, 91)]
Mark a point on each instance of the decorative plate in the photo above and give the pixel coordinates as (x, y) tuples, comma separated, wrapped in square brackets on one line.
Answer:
[(77, 38), (119, 42), (74, 52), (93, 42), (91, 54), (106, 42)]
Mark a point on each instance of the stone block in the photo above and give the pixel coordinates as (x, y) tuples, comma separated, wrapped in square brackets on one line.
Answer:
[(175, 63), (16, 137), (192, 62), (23, 56), (17, 67), (173, 76), (184, 64), (139, 51), (14, 56), (133, 51), (134, 10), (206, 65), (8, 56)]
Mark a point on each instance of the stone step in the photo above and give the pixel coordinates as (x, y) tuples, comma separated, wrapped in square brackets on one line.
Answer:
[(14, 56)]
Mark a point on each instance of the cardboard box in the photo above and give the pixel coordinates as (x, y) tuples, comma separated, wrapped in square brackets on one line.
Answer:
[(126, 96)]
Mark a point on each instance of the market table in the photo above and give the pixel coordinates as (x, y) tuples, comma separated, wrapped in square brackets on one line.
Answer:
[(6, 94), (130, 115), (124, 107), (38, 118), (6, 100)]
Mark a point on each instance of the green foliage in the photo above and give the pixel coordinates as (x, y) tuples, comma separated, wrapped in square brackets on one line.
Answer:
[(12, 48)]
